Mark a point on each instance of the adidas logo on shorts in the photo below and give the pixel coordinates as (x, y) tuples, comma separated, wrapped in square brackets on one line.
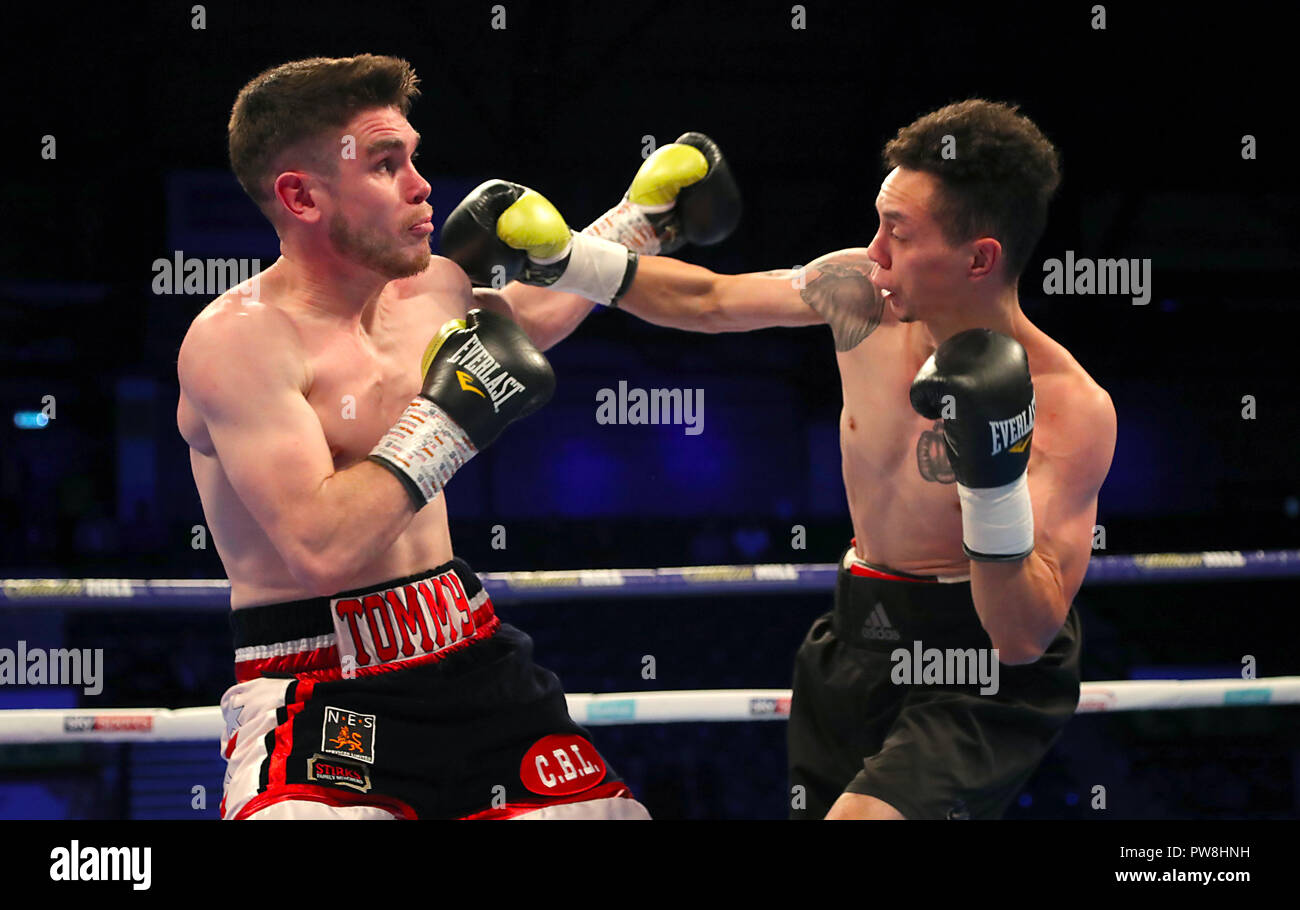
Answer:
[(877, 625)]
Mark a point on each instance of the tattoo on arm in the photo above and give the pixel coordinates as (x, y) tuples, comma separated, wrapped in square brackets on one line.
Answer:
[(932, 455), (848, 301)]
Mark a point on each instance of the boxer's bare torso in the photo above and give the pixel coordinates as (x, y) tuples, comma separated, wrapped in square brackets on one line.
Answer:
[(358, 376), (902, 496)]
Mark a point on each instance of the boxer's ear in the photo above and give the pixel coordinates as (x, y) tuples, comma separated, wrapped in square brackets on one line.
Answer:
[(294, 197)]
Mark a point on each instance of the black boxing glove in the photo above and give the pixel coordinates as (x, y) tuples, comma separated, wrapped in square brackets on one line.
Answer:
[(481, 373), (682, 193), (978, 382), (504, 232)]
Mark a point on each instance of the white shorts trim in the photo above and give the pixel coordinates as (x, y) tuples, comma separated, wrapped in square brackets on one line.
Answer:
[(617, 808), (309, 810)]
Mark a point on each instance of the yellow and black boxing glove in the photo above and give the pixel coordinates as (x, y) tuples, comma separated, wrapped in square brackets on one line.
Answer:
[(481, 374), (683, 193), (504, 232)]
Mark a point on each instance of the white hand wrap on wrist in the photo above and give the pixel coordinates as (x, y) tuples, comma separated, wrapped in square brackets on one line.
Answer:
[(427, 446), (596, 268), (997, 523), (627, 224)]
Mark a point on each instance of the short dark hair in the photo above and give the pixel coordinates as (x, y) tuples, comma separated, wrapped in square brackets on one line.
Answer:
[(292, 104), (999, 181)]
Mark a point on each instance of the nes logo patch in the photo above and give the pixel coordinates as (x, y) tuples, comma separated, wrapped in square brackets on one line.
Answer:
[(349, 735), (324, 770)]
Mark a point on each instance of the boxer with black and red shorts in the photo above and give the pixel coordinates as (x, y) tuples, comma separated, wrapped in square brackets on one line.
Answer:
[(327, 403), (410, 699)]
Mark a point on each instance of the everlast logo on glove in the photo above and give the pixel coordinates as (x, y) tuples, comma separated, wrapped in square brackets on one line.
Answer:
[(476, 359), (1008, 434), (471, 361)]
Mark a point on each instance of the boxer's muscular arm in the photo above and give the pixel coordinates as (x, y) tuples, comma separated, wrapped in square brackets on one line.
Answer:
[(547, 317), (1023, 604), (244, 373), (834, 289), (679, 295)]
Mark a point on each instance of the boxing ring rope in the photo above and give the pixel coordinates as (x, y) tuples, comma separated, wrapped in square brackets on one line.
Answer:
[(508, 588), (592, 709), (119, 725)]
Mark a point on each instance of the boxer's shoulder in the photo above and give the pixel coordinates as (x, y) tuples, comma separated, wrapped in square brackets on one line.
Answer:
[(440, 279), (417, 306), (854, 257), (849, 268), (1059, 377), (1075, 417), (838, 288), (239, 335), (232, 322)]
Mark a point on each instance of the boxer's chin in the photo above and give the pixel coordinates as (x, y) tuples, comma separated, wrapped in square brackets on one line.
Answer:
[(903, 313), (373, 251), (410, 264), (395, 264), (400, 260)]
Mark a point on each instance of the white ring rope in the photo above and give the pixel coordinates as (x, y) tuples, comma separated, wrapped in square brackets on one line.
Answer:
[(117, 725)]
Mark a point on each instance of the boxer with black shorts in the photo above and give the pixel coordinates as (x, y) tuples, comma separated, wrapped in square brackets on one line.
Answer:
[(928, 750), (962, 534)]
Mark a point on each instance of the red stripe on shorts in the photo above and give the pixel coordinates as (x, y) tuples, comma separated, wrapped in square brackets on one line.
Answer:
[(275, 778)]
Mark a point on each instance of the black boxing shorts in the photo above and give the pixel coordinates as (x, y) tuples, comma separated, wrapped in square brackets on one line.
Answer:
[(924, 732), (410, 699)]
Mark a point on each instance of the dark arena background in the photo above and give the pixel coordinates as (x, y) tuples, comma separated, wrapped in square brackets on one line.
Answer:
[(1178, 148)]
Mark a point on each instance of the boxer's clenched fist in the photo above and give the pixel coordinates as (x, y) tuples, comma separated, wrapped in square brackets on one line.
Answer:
[(683, 193), (481, 373), (984, 375), (503, 232)]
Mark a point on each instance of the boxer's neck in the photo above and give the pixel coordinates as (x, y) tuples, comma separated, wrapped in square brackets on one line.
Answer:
[(999, 311), (329, 285)]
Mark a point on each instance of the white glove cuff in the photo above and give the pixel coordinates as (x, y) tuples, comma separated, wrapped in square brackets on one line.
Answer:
[(997, 523), (596, 268), (426, 445)]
